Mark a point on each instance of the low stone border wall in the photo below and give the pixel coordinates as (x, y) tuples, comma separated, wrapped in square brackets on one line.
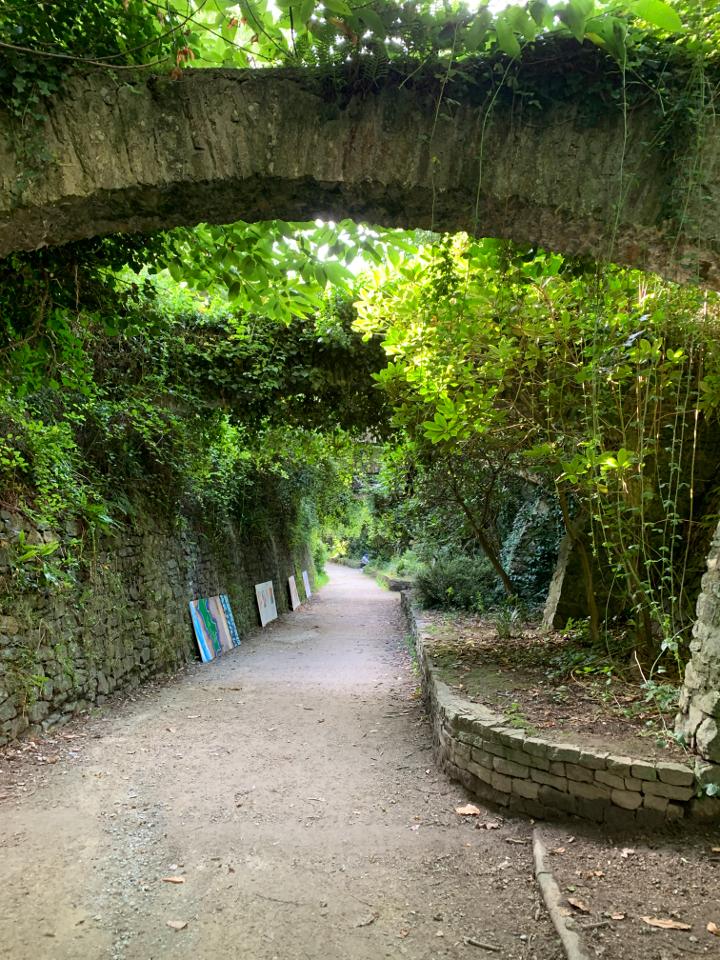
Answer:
[(504, 766)]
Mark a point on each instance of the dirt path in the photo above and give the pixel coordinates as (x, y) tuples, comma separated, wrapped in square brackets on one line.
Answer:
[(291, 785)]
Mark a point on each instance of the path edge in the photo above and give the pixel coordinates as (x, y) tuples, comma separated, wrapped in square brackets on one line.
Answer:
[(564, 925), (502, 765)]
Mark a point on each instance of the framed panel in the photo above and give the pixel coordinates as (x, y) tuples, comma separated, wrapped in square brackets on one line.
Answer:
[(294, 595), (266, 602)]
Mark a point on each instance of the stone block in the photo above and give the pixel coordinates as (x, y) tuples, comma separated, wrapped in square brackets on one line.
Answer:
[(707, 773), (8, 710), (557, 768), (565, 753), (610, 779), (674, 812), (519, 756), (588, 791), (643, 770), (632, 783), (484, 759), (656, 788), (655, 803), (482, 773), (556, 799), (496, 749), (709, 703), (511, 769), (675, 773), (501, 783), (592, 760), (508, 736), (574, 771), (460, 750), (627, 799), (540, 776), (705, 808), (38, 711), (707, 739), (619, 765), (526, 788), (536, 747)]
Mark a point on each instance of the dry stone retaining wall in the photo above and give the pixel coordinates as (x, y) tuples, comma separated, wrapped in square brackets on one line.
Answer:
[(126, 618), (503, 765)]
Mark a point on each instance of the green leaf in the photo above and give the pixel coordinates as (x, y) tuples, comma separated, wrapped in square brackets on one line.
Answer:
[(659, 13), (338, 6), (305, 10), (574, 21), (538, 10), (373, 22), (477, 31), (507, 41)]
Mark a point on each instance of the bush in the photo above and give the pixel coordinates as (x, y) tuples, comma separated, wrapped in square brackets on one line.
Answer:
[(458, 582)]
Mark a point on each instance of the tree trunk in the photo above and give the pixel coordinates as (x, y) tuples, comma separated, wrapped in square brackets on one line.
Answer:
[(486, 544)]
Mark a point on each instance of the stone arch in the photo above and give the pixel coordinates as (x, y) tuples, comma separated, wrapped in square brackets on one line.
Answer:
[(148, 153)]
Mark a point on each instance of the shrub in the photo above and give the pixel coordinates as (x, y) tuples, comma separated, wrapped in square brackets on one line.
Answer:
[(457, 582)]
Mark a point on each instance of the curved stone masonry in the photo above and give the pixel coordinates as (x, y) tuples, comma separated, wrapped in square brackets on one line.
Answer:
[(699, 717), (149, 153), (504, 766)]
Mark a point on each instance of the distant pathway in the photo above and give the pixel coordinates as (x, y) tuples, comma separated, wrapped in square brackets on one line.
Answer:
[(291, 785)]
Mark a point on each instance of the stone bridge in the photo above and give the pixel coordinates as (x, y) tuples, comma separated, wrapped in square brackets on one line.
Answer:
[(572, 173), (147, 153)]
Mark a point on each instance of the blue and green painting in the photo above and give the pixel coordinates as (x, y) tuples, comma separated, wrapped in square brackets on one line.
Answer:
[(214, 626)]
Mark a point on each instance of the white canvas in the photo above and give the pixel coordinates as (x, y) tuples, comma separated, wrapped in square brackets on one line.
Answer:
[(266, 602), (306, 581), (294, 595)]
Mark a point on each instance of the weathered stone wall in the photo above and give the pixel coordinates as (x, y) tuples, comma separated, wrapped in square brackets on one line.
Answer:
[(545, 779), (126, 616), (699, 717), (148, 153)]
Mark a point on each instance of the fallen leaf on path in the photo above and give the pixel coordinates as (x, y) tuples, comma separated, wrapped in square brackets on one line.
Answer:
[(469, 810), (193, 716), (715, 850), (488, 825), (173, 879), (317, 799), (579, 905), (415, 826), (665, 924), (626, 852), (176, 924), (713, 928), (558, 850), (515, 840), (617, 916)]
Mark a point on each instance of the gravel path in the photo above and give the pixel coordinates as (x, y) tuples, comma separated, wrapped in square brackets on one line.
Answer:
[(291, 786)]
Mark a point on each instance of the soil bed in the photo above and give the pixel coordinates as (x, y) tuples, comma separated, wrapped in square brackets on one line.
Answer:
[(527, 679)]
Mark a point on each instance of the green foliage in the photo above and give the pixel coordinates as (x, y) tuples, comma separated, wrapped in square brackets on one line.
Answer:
[(455, 581), (507, 360), (113, 380)]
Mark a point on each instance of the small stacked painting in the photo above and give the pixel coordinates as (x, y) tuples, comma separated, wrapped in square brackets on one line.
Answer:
[(214, 626)]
